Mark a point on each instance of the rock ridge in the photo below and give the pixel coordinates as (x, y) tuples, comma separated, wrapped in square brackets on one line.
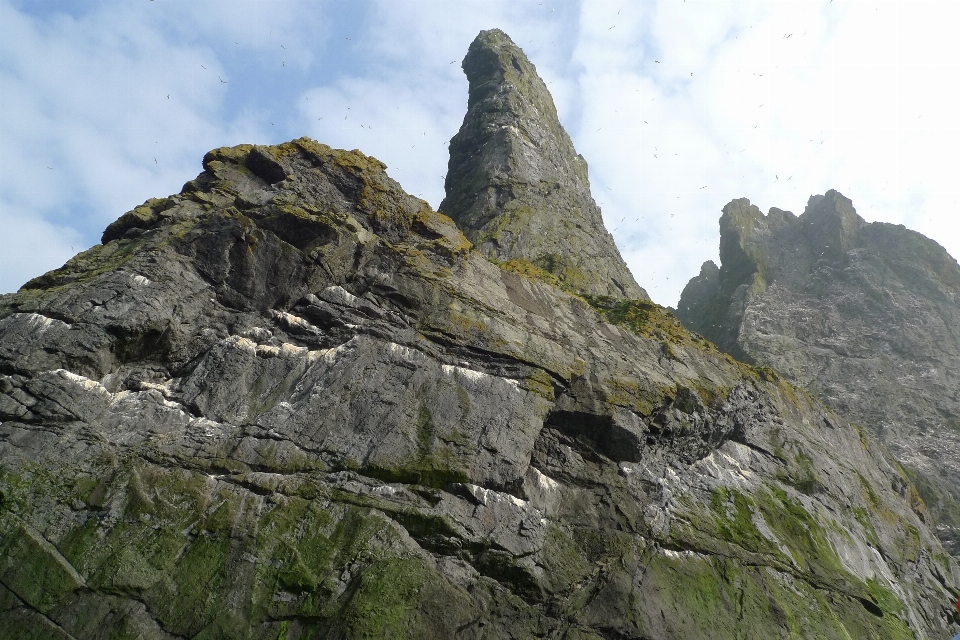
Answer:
[(864, 314)]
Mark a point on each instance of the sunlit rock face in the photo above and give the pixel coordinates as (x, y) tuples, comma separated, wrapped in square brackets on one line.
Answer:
[(292, 401), (517, 187), (865, 315)]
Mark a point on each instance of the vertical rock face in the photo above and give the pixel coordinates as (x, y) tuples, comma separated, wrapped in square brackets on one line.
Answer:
[(867, 315), (517, 187)]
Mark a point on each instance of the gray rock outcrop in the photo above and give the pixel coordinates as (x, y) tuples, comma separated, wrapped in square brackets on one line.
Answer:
[(517, 188), (291, 401), (865, 315)]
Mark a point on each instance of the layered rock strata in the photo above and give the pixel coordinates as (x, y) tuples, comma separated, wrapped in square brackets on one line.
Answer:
[(865, 315), (292, 401), (517, 188)]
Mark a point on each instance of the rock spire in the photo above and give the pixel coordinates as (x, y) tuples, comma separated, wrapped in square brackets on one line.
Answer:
[(517, 187)]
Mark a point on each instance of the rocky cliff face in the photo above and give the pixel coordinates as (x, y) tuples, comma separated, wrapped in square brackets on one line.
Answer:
[(292, 401), (517, 188), (865, 315)]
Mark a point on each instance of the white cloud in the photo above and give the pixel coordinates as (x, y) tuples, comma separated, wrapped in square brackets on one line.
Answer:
[(785, 100), (389, 122), (412, 97), (102, 111), (31, 246)]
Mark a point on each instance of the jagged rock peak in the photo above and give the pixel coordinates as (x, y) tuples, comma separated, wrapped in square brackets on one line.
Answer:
[(864, 314), (829, 224), (517, 187), (753, 247)]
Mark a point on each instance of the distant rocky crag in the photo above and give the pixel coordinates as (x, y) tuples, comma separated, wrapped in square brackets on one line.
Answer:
[(292, 401), (865, 315)]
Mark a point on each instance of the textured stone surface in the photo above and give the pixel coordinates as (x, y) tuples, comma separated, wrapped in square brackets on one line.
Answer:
[(291, 401), (517, 187), (865, 315)]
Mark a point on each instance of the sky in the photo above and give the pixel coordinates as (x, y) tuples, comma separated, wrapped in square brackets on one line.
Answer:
[(677, 106)]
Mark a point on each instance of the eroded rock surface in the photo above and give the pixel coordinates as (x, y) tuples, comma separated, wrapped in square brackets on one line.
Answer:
[(292, 401), (865, 315), (517, 187)]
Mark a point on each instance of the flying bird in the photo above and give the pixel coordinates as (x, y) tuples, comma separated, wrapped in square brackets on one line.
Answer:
[(222, 80)]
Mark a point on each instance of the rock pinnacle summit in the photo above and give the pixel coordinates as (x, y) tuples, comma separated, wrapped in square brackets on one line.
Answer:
[(517, 187)]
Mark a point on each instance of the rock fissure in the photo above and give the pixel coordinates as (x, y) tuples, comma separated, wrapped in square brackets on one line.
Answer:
[(46, 618)]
